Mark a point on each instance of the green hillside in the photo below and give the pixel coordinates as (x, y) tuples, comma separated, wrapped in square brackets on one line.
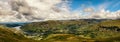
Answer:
[(49, 26), (7, 35), (105, 31)]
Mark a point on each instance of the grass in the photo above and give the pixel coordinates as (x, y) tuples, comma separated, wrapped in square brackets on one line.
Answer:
[(68, 31), (6, 35)]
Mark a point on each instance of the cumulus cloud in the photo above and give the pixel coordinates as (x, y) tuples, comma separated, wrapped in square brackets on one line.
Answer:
[(88, 10), (33, 10), (102, 14), (39, 10)]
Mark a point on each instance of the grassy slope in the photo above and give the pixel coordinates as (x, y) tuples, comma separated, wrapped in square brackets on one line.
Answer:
[(101, 32), (107, 31), (6, 35)]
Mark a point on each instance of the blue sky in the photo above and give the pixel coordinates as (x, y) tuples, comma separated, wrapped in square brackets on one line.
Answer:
[(111, 5)]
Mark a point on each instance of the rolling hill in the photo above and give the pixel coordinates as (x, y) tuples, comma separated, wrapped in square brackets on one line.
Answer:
[(85, 30), (9, 35), (106, 30)]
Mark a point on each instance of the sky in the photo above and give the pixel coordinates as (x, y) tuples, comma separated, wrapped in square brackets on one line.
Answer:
[(43, 10), (111, 5)]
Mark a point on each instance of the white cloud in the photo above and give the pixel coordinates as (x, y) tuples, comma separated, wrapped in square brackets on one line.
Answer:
[(88, 10), (37, 10), (102, 14), (32, 10)]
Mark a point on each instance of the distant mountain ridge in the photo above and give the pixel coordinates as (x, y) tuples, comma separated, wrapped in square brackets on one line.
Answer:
[(15, 24)]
